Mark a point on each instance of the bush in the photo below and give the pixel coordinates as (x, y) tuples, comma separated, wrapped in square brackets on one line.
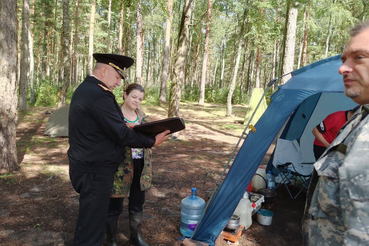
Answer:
[(46, 94)]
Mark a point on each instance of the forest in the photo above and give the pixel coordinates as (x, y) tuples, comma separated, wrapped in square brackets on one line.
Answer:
[(213, 51)]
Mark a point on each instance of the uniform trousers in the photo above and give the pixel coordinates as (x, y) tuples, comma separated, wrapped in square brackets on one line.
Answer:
[(136, 197), (318, 151), (94, 190)]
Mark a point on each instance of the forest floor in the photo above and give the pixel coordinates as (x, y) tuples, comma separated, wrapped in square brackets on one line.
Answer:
[(38, 205)]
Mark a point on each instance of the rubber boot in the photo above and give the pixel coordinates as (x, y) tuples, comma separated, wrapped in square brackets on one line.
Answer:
[(135, 221), (111, 233)]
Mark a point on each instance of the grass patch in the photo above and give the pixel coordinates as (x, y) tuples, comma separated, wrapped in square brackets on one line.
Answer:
[(9, 178)]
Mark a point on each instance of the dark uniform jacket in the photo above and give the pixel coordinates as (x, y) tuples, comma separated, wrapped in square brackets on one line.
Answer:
[(97, 130)]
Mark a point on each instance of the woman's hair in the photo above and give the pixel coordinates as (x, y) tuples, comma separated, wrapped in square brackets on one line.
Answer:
[(134, 86)]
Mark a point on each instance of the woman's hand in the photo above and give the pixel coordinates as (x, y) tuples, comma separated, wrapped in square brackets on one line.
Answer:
[(161, 137), (131, 125)]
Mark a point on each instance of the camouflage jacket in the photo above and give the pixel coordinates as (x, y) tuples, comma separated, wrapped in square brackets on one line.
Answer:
[(337, 209), (124, 175)]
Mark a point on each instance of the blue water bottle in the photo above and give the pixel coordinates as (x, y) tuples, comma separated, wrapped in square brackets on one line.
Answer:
[(270, 181), (192, 209)]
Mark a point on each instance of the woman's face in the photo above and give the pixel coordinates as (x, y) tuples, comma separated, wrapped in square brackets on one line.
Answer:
[(134, 99)]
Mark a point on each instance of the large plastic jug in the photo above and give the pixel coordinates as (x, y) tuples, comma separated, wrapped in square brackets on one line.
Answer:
[(258, 181), (192, 209), (244, 210)]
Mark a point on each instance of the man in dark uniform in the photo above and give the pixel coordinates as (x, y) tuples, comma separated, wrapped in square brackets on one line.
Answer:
[(97, 134)]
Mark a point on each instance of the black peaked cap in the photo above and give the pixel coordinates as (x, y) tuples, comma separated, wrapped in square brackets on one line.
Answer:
[(118, 62)]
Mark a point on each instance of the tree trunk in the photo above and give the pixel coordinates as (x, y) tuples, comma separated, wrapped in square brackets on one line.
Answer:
[(215, 72), (139, 57), (45, 73), (8, 88), (108, 45), (194, 67), (223, 64), (179, 64), (327, 41), (237, 62), (233, 83), (306, 30), (258, 64), (121, 21), (24, 71), (31, 60), (75, 51), (91, 38), (166, 50), (290, 39), (31, 68), (66, 55), (205, 60)]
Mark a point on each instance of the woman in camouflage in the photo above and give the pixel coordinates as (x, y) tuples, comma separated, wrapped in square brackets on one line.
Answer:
[(133, 177)]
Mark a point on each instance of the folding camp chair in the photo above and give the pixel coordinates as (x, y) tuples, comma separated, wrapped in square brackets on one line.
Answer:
[(292, 178), (293, 172)]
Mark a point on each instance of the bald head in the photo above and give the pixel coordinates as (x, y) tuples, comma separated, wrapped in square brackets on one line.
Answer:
[(108, 75)]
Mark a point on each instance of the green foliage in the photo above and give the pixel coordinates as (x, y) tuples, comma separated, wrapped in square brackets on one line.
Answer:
[(46, 94), (152, 95), (9, 177)]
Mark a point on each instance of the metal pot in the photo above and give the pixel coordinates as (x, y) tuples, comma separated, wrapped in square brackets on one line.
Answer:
[(234, 222), (268, 195)]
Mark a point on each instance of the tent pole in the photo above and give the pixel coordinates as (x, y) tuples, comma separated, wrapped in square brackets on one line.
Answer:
[(271, 82)]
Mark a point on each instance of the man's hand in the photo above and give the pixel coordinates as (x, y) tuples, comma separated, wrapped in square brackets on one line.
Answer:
[(161, 137)]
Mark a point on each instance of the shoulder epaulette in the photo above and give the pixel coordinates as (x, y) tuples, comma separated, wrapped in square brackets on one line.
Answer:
[(103, 87)]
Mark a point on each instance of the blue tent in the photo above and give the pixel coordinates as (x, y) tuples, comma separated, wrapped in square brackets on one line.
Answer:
[(306, 87)]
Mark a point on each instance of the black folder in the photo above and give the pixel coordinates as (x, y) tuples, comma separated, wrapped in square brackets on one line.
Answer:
[(174, 124)]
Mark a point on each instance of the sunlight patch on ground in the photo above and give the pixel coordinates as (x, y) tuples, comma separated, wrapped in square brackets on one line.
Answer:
[(32, 171)]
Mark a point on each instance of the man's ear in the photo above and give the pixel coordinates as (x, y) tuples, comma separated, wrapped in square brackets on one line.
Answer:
[(103, 71)]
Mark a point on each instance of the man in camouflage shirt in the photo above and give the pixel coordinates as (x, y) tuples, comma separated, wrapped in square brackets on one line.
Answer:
[(337, 205)]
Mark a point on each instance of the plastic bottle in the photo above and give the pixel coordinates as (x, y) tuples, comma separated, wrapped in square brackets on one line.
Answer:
[(192, 209), (244, 210), (270, 181), (258, 181)]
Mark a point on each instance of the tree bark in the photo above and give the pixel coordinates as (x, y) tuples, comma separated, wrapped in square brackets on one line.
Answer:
[(327, 41), (66, 55), (179, 64), (75, 44), (166, 50), (237, 62), (205, 59), (8, 88), (306, 30), (196, 56), (91, 38), (25, 59), (120, 36), (108, 45), (223, 64), (233, 83), (139, 58), (290, 39)]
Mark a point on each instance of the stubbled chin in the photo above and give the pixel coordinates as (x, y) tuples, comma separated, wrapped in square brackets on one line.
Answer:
[(352, 92)]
